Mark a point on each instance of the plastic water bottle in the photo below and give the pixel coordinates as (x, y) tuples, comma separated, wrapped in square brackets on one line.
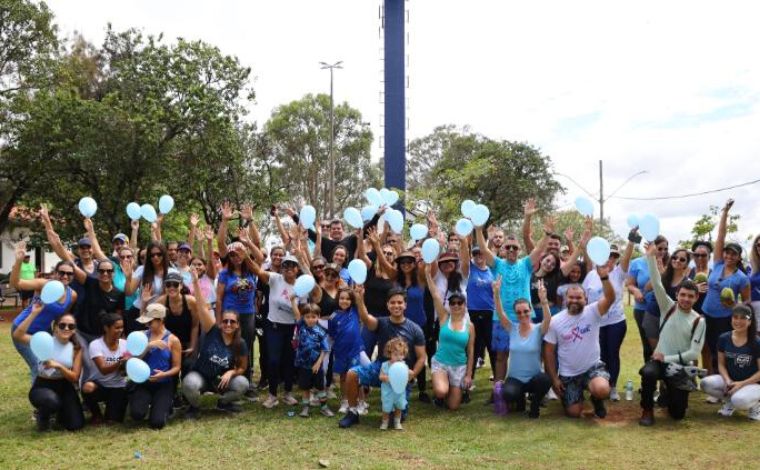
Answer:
[(499, 405), (629, 390)]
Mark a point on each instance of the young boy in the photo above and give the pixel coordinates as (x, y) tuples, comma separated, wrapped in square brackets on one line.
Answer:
[(310, 353)]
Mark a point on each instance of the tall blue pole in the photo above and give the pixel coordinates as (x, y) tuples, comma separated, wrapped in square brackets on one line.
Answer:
[(395, 96)]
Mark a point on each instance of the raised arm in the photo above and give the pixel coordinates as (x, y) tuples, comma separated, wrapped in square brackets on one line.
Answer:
[(576, 253), (205, 315), (528, 210), (15, 277), (663, 300), (487, 253), (608, 299), (385, 265), (722, 228), (443, 314), (96, 250), (53, 239), (280, 227), (246, 213), (369, 321), (221, 236), (193, 232), (535, 255), (135, 224), (625, 261), (208, 233), (20, 334), (543, 297), (464, 256), (506, 323)]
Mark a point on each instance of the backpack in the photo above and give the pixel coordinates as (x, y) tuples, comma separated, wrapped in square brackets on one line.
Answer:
[(670, 313)]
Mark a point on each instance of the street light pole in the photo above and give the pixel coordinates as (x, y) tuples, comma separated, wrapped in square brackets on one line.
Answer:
[(336, 65)]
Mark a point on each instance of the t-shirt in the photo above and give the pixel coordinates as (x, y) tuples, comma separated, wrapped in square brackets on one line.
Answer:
[(280, 308), (27, 271), (577, 339), (376, 291), (158, 285), (120, 282), (95, 300), (239, 292), (327, 304), (594, 292), (407, 330), (415, 305), (715, 285), (479, 292), (741, 361), (754, 282), (312, 341), (115, 379), (515, 283), (345, 330), (215, 358), (638, 270), (524, 353), (551, 282), (207, 289)]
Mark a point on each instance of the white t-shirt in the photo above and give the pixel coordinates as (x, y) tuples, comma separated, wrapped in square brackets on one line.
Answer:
[(158, 286), (280, 309), (442, 286), (594, 292), (577, 340), (115, 379)]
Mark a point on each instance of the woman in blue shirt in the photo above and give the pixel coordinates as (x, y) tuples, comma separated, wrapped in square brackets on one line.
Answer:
[(480, 306), (754, 279)]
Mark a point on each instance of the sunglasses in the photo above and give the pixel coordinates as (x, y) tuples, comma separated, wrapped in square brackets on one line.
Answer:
[(157, 254), (700, 255), (105, 271), (67, 326), (318, 267), (229, 321), (65, 273), (456, 302), (524, 312), (406, 261), (172, 284), (511, 247), (682, 260)]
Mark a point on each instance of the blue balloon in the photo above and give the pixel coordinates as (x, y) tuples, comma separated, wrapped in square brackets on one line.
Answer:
[(307, 216), (42, 345), (358, 271), (398, 375), (633, 221), (137, 370), (418, 232), (52, 291), (430, 250), (480, 215), (304, 284), (389, 197), (166, 204), (598, 250), (133, 211), (467, 207), (649, 226), (368, 212), (463, 227), (137, 341), (87, 207), (374, 197), (395, 220), (148, 213), (353, 217), (584, 206)]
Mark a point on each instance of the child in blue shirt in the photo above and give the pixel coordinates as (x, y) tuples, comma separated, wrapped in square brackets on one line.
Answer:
[(311, 350), (344, 327), (393, 402)]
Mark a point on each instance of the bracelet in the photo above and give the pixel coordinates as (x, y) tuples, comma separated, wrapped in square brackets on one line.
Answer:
[(605, 278)]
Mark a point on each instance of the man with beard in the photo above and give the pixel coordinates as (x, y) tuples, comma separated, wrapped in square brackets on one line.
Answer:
[(574, 335)]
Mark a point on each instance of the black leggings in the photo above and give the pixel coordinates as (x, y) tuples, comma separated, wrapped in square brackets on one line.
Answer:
[(482, 320), (514, 390), (248, 332), (714, 327), (281, 356), (677, 400), (60, 398), (646, 349), (114, 398), (153, 398)]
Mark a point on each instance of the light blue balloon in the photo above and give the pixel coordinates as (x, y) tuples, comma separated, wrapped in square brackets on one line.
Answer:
[(584, 206), (51, 292), (463, 227), (137, 370), (42, 345), (368, 212), (166, 204), (358, 271), (353, 217), (389, 197), (133, 211), (398, 375), (395, 220), (633, 221), (137, 341), (598, 250), (148, 213), (374, 197), (307, 216), (418, 232), (304, 284), (480, 215), (88, 207), (430, 250), (649, 226), (467, 207)]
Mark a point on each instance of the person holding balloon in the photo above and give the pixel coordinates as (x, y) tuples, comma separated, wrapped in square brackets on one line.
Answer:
[(379, 282), (393, 396), (148, 276), (54, 390)]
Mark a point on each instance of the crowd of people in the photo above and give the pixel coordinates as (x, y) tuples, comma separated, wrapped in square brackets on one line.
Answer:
[(548, 321)]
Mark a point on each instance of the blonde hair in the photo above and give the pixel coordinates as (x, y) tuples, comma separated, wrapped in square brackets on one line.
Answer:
[(395, 345), (754, 258)]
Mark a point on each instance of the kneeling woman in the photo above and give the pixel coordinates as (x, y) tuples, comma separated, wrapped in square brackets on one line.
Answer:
[(53, 390), (109, 385), (164, 357), (221, 362), (738, 383), (452, 363), (525, 375)]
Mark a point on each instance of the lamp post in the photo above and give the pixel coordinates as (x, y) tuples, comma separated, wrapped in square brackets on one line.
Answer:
[(331, 67)]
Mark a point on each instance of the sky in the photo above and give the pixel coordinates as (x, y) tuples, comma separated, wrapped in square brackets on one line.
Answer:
[(670, 88)]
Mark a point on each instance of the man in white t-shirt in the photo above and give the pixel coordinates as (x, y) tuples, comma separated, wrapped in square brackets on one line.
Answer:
[(574, 336)]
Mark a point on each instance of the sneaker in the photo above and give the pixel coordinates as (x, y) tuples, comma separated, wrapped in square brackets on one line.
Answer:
[(313, 400), (289, 399), (614, 395), (712, 400), (304, 412), (384, 425), (349, 420), (192, 413), (424, 397), (647, 418), (599, 410), (491, 378), (754, 413), (326, 411), (43, 424), (727, 409), (343, 407), (270, 402), (229, 407), (331, 394), (397, 425), (251, 395), (551, 395), (362, 408), (480, 363)]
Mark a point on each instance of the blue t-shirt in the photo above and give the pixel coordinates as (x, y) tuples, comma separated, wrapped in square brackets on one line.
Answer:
[(239, 292), (479, 292), (415, 305), (46, 316), (345, 330), (515, 284), (715, 284), (741, 361), (754, 282), (311, 342), (215, 358), (639, 271), (524, 353)]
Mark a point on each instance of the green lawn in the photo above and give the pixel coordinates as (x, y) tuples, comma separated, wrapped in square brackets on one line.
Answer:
[(471, 437)]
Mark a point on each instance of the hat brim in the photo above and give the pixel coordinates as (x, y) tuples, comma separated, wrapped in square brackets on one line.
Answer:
[(145, 319), (401, 258)]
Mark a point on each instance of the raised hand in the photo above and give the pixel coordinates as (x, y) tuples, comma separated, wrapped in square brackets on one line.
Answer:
[(208, 232), (542, 294), (549, 222), (603, 270), (496, 285), (135, 224), (651, 249), (146, 294), (246, 212), (226, 211), (728, 205), (88, 224), (529, 208), (20, 251), (569, 233), (126, 267), (194, 219)]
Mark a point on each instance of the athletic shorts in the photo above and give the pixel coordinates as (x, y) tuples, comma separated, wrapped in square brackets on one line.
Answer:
[(456, 373), (369, 375), (499, 338), (341, 365), (574, 386), (308, 380)]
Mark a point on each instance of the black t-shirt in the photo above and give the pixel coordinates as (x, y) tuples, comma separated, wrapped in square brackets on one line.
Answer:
[(327, 304), (741, 361), (409, 331), (551, 282), (376, 291), (215, 357), (95, 301)]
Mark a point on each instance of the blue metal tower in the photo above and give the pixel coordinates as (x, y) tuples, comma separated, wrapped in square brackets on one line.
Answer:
[(395, 95)]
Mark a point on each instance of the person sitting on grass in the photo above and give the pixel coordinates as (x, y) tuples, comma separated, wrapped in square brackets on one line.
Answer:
[(311, 351), (392, 402), (738, 383), (108, 384)]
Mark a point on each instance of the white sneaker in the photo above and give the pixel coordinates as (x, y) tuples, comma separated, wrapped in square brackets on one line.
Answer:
[(384, 425), (326, 411), (270, 402), (397, 424), (331, 394), (727, 409), (314, 400), (551, 395), (343, 407), (712, 400), (754, 413), (289, 399), (614, 395), (362, 408), (480, 363)]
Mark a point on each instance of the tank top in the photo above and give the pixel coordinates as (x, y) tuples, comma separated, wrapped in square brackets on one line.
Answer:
[(181, 325), (46, 316), (452, 345), (327, 304), (63, 353), (160, 359)]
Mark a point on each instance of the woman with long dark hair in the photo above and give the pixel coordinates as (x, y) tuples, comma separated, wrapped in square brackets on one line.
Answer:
[(149, 275), (108, 385)]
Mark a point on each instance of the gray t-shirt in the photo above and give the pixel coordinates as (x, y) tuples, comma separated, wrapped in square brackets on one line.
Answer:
[(409, 331)]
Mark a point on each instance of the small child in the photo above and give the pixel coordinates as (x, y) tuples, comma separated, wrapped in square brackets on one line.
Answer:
[(396, 349), (310, 353)]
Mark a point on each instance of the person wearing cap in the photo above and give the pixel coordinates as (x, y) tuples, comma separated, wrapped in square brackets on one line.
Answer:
[(181, 318), (148, 277), (184, 255), (119, 241), (155, 396), (480, 306), (727, 273), (737, 384)]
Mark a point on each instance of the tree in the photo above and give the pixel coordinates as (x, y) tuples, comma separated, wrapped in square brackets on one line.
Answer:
[(705, 225), (426, 152)]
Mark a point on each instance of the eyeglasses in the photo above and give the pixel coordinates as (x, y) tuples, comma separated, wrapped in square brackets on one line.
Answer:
[(679, 259), (105, 271), (700, 255), (388, 253), (331, 275), (65, 273), (229, 321), (456, 302), (171, 284), (156, 254), (126, 257), (318, 267), (511, 247), (67, 326)]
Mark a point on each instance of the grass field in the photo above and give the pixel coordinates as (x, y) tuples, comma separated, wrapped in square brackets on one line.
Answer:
[(471, 437)]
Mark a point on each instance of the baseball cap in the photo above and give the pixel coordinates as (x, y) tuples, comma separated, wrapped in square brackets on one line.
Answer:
[(120, 236), (185, 247), (173, 276), (405, 255), (448, 256), (331, 267), (288, 258), (84, 242), (735, 247), (152, 312)]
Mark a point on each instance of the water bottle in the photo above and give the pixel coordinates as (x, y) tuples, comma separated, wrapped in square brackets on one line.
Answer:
[(629, 390), (499, 405)]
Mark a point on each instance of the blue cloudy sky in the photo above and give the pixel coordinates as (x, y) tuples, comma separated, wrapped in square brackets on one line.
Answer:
[(667, 87)]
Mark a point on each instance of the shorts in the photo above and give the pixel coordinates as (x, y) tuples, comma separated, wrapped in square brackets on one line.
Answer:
[(651, 326), (26, 294), (341, 365), (456, 373), (308, 380), (499, 338), (574, 386), (391, 400), (369, 375)]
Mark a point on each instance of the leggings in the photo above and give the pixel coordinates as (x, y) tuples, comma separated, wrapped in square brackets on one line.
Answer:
[(261, 324), (677, 399), (153, 400), (482, 320), (646, 348), (248, 332), (514, 390), (114, 398), (281, 356), (60, 398), (610, 340), (745, 398), (195, 384), (25, 351)]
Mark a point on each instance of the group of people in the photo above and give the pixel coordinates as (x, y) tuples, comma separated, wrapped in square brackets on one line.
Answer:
[(550, 322)]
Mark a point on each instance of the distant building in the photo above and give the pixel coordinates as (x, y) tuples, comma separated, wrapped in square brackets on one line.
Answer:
[(16, 231)]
